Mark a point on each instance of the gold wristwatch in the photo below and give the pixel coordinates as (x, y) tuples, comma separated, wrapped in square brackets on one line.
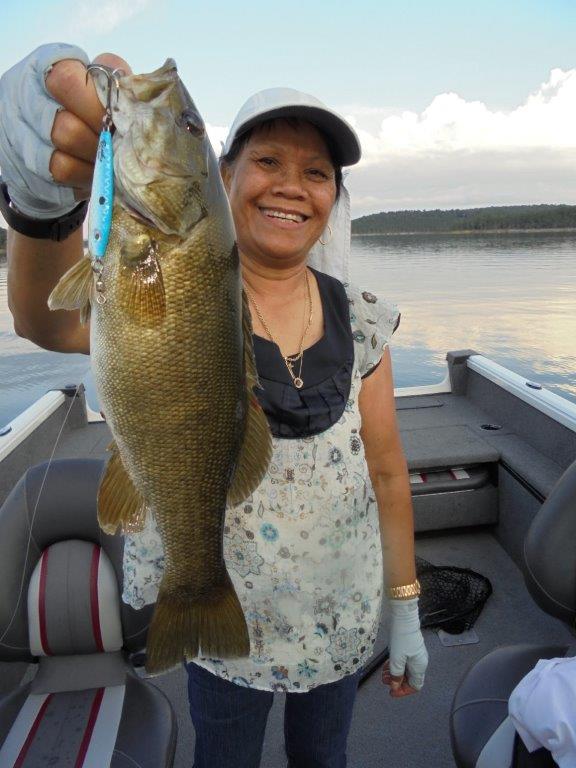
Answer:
[(404, 592)]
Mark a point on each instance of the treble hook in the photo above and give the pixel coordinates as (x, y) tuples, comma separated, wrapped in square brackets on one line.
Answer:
[(112, 76)]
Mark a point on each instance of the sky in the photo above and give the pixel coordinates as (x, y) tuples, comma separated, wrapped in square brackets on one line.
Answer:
[(457, 104)]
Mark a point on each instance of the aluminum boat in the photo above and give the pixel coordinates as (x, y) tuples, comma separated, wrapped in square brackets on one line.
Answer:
[(492, 461)]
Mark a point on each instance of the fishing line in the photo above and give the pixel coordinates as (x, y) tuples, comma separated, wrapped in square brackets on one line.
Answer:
[(31, 523)]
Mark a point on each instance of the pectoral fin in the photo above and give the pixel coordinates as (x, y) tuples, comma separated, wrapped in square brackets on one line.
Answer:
[(120, 505), (256, 449), (141, 290), (74, 290)]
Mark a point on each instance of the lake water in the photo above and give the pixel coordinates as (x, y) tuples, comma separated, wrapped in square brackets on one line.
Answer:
[(510, 297)]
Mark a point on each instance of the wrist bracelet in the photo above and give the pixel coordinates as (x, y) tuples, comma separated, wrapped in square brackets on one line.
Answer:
[(405, 591), (41, 229)]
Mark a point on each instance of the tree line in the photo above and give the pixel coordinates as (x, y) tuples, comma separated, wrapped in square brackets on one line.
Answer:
[(458, 219), (472, 219)]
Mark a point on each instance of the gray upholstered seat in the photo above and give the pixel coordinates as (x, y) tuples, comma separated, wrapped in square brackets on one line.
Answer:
[(482, 735), (60, 579)]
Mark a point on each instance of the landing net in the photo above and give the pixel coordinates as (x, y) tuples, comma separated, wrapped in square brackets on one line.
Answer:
[(451, 598)]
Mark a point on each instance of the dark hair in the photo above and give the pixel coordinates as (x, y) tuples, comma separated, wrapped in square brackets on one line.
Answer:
[(294, 122)]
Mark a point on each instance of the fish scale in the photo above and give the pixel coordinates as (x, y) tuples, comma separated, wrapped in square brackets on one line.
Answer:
[(173, 366)]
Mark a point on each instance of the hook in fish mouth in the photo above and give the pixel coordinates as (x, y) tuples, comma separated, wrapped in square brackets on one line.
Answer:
[(112, 76)]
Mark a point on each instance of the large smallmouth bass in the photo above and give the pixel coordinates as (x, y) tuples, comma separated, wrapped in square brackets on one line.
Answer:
[(173, 364)]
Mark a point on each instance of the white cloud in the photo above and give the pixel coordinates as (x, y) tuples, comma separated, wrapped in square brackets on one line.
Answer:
[(459, 153), (105, 16), (450, 123)]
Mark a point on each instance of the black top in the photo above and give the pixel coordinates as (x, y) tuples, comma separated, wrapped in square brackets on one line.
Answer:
[(326, 372)]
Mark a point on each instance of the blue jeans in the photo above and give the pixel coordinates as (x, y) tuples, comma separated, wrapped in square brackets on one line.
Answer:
[(230, 721)]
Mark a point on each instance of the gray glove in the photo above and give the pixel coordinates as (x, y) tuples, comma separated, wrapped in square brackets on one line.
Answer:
[(408, 654), (27, 113)]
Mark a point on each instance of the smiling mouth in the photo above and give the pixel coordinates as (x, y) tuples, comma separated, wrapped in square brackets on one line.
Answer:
[(272, 213)]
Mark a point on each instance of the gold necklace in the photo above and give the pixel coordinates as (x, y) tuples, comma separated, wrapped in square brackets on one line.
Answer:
[(296, 380)]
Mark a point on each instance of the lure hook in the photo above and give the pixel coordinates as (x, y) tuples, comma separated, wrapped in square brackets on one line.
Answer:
[(112, 76)]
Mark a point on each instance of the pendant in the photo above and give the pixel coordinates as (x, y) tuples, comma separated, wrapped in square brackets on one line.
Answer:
[(298, 383)]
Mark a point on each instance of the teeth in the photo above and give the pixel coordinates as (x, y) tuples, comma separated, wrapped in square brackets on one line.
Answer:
[(280, 215)]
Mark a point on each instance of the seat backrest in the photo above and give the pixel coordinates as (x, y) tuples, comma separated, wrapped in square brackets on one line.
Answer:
[(47, 507), (550, 551), (73, 602)]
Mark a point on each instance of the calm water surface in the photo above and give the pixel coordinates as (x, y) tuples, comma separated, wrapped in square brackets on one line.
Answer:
[(509, 297)]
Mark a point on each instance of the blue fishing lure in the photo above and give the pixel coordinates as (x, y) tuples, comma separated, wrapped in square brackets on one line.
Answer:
[(102, 198)]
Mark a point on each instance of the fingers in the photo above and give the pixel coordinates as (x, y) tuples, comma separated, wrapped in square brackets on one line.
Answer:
[(72, 161), (66, 82), (70, 171), (399, 685), (73, 137), (82, 193), (114, 61), (77, 126)]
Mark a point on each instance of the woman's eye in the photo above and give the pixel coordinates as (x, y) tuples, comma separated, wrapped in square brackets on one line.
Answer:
[(318, 173), (266, 160)]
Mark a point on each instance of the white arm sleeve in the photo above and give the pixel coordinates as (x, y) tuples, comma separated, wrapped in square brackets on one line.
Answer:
[(27, 113)]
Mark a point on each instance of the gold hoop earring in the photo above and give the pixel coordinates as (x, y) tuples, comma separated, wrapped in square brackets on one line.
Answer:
[(330, 238)]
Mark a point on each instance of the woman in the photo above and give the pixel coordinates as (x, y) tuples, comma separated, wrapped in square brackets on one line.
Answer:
[(304, 551)]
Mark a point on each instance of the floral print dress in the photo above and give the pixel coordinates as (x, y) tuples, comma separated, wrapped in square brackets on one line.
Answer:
[(304, 550)]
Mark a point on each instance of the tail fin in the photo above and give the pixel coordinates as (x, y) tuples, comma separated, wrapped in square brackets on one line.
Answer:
[(185, 625)]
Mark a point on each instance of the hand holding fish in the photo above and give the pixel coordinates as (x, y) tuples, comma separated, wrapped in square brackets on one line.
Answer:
[(48, 144)]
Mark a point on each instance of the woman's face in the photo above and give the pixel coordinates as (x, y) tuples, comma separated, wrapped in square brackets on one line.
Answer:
[(281, 189)]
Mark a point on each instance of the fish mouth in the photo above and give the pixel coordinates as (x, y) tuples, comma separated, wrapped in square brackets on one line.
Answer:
[(284, 215)]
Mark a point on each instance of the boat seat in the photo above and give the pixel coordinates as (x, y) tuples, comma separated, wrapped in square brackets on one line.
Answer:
[(481, 733), (439, 447), (60, 606), (444, 462)]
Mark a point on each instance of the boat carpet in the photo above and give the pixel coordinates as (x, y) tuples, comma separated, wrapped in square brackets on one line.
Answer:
[(413, 732)]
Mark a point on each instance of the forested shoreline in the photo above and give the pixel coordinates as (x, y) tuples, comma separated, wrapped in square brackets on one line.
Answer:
[(496, 218)]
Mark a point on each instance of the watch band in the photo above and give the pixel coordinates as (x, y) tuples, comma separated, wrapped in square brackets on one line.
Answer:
[(41, 229)]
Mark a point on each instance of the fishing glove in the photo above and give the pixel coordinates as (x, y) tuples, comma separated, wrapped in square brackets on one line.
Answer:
[(27, 113), (408, 654)]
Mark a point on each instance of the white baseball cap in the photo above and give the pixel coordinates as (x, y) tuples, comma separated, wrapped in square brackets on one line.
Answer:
[(286, 102)]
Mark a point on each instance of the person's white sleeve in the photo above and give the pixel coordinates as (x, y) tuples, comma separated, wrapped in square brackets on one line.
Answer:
[(373, 322), (27, 113), (543, 709)]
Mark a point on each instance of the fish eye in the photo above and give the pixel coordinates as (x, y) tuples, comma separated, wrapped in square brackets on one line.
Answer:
[(192, 121)]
